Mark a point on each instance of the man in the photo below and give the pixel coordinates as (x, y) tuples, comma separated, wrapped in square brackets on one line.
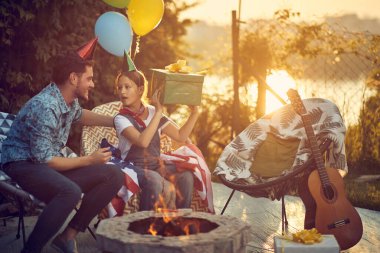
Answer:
[(31, 155)]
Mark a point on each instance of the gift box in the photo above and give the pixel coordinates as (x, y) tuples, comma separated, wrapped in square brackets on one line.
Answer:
[(327, 245), (177, 88)]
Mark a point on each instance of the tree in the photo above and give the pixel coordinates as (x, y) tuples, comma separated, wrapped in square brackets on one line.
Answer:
[(34, 31)]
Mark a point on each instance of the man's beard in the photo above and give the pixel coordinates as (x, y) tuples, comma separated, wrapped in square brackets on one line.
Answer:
[(80, 95)]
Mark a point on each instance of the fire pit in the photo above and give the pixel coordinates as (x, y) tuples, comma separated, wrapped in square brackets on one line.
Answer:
[(186, 231)]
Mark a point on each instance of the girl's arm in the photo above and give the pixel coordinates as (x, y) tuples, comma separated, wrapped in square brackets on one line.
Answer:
[(144, 138), (183, 133)]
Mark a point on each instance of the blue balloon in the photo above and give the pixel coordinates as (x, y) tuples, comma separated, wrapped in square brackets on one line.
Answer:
[(114, 33)]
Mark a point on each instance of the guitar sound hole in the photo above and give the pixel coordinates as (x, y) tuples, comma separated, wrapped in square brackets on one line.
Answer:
[(329, 192)]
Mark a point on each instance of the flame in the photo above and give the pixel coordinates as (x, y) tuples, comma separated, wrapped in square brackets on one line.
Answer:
[(152, 230), (172, 224), (186, 229), (167, 214), (191, 227)]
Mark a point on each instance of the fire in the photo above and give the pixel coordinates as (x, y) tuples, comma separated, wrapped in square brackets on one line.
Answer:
[(152, 230), (170, 224)]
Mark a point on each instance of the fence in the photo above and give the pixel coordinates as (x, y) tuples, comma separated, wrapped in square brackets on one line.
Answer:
[(326, 61)]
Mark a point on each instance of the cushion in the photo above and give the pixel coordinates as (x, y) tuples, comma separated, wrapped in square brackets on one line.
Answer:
[(68, 152), (92, 135), (274, 156), (6, 120), (2, 138)]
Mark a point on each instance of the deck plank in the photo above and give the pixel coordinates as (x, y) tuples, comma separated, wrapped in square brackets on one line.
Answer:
[(264, 216)]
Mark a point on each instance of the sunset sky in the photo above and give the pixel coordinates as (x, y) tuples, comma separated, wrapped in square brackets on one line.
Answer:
[(219, 11)]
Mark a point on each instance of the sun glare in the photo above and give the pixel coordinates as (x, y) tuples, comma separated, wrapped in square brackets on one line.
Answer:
[(280, 81)]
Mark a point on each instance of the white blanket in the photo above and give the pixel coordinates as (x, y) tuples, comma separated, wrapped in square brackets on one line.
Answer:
[(236, 159)]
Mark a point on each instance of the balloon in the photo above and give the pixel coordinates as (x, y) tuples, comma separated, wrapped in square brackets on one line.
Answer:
[(118, 3), (145, 15), (114, 33)]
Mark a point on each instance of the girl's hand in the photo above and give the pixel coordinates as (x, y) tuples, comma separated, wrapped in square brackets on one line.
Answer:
[(194, 109), (155, 100)]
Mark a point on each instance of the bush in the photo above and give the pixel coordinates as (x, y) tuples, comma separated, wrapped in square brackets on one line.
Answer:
[(363, 194)]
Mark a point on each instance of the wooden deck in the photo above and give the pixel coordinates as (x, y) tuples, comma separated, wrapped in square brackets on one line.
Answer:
[(263, 215)]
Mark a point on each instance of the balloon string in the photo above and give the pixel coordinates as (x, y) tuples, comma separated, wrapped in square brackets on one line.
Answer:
[(137, 50)]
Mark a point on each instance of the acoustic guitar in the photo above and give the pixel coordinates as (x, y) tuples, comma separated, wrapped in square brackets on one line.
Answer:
[(335, 214)]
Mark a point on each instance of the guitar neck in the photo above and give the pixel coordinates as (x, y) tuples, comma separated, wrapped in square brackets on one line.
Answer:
[(299, 107), (319, 162)]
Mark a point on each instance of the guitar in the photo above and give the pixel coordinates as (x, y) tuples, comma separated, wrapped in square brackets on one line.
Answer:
[(335, 214)]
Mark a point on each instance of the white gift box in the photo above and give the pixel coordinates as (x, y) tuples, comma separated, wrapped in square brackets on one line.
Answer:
[(327, 245)]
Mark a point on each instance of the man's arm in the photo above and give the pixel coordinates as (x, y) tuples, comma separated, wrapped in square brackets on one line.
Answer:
[(100, 156), (89, 118)]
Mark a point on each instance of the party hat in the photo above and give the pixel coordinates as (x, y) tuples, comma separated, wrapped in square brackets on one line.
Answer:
[(86, 52), (128, 64)]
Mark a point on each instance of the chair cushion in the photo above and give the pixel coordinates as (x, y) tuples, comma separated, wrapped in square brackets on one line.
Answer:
[(274, 156), (92, 135), (2, 138), (6, 120)]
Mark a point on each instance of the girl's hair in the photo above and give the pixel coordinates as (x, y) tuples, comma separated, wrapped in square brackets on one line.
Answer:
[(64, 65), (136, 76)]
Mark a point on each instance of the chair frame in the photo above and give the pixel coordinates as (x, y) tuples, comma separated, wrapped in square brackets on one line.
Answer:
[(19, 196), (250, 187)]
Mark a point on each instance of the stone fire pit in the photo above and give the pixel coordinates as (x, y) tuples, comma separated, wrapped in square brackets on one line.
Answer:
[(218, 234)]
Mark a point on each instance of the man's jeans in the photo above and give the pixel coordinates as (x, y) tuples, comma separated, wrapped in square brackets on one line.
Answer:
[(61, 192)]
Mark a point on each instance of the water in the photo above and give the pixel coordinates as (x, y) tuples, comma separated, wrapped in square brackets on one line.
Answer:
[(348, 95)]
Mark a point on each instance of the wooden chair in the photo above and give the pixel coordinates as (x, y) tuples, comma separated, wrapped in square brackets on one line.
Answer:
[(92, 136)]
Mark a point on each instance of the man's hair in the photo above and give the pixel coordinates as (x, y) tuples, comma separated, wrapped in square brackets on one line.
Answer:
[(66, 64)]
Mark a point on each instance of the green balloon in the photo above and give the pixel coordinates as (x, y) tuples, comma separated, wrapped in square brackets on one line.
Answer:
[(118, 3)]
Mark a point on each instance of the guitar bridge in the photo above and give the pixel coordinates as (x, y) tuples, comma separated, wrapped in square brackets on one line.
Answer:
[(338, 224)]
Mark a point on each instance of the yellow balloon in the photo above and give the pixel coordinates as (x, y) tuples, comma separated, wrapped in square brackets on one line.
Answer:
[(117, 3), (145, 15)]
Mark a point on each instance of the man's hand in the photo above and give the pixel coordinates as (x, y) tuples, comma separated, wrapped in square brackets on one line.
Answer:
[(102, 155)]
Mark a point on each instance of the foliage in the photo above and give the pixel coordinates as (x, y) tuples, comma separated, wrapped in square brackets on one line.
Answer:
[(256, 63), (288, 44), (363, 139), (370, 131), (213, 129), (281, 43), (32, 32), (363, 194), (217, 116)]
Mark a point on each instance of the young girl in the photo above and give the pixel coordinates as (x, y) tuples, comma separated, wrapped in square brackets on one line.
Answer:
[(139, 127)]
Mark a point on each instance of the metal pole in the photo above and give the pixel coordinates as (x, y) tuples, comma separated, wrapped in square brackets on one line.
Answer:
[(235, 72)]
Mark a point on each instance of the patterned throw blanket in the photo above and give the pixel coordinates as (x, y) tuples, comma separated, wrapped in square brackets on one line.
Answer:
[(187, 157), (236, 160)]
